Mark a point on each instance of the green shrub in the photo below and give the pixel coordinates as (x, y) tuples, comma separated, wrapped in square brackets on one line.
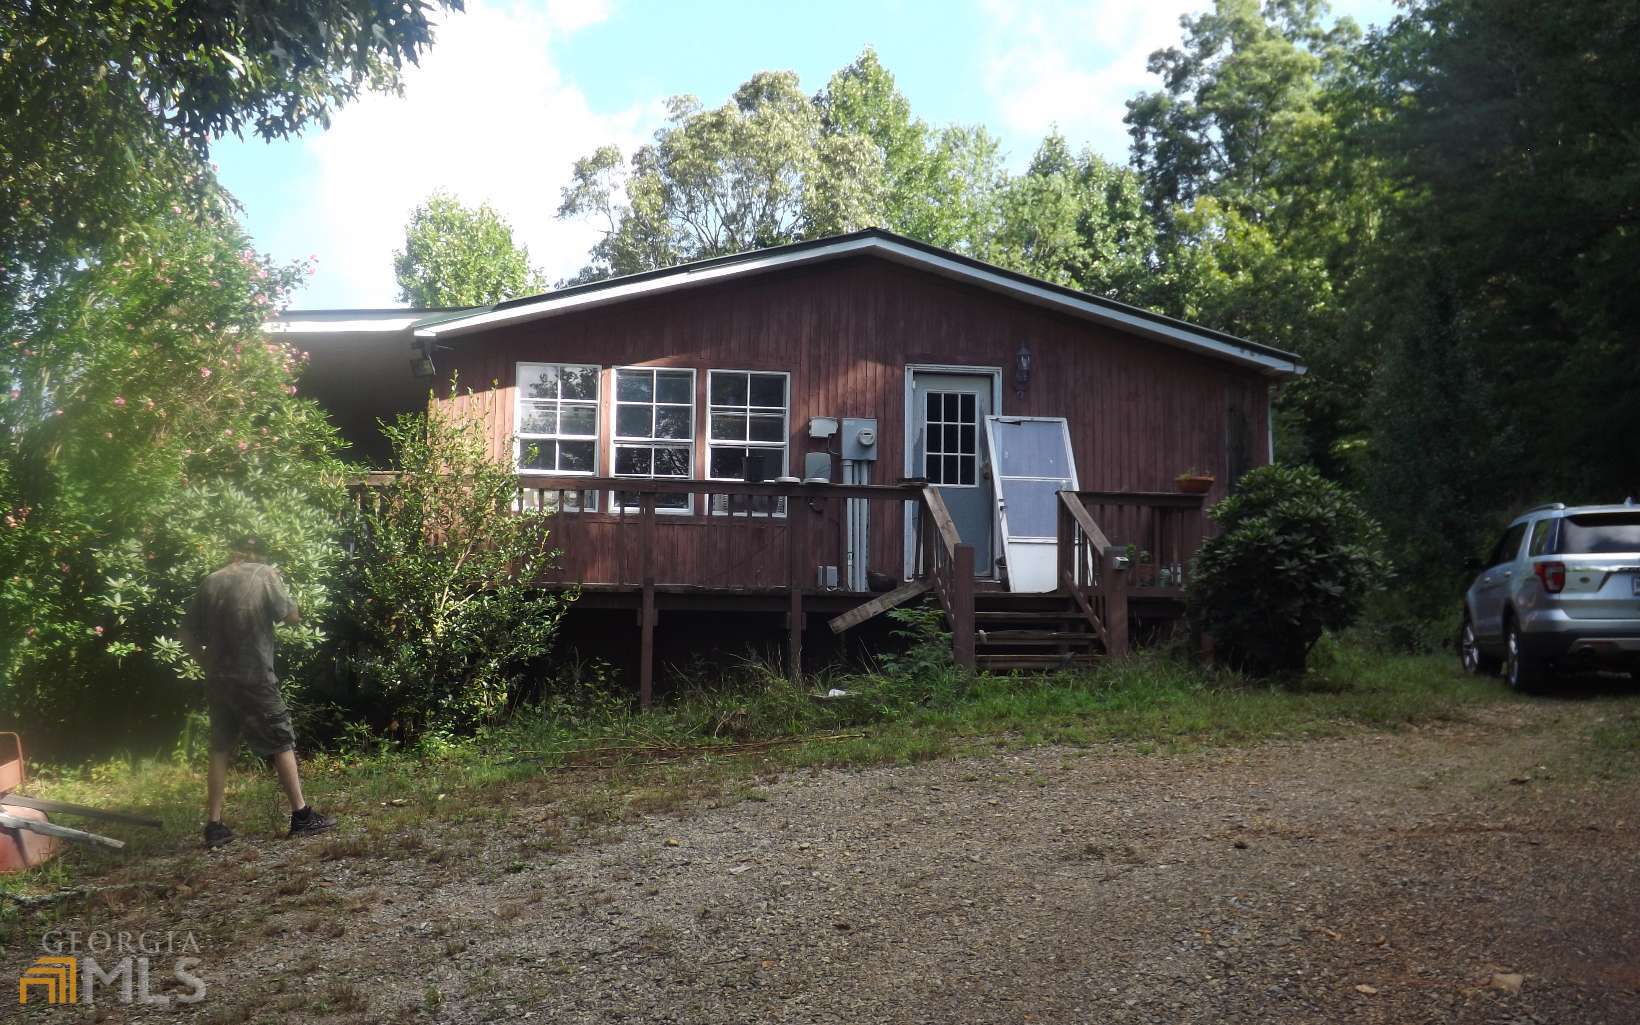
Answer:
[(1296, 557), (441, 628), (145, 420)]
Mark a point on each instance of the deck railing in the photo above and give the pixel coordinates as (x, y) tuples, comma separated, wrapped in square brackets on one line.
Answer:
[(734, 537)]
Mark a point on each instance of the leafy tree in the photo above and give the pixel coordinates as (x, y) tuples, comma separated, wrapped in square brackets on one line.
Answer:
[(758, 171), (147, 423), (1296, 556), (441, 622), (940, 185), (110, 108), (455, 255), (1265, 209), (1078, 221)]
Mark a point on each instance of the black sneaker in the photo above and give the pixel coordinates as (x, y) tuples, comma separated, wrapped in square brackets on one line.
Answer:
[(217, 834), (309, 822)]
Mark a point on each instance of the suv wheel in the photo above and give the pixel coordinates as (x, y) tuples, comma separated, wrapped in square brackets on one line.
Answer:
[(1525, 673), (1475, 661)]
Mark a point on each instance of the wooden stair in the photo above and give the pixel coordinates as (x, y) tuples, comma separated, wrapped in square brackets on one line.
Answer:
[(1041, 632)]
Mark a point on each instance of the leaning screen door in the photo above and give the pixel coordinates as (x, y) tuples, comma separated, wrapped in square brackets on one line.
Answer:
[(1032, 463)]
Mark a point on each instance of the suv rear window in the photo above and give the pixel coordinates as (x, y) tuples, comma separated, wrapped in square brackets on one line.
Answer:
[(1600, 533)]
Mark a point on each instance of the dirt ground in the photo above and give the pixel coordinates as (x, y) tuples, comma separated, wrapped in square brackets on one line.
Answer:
[(1480, 872)]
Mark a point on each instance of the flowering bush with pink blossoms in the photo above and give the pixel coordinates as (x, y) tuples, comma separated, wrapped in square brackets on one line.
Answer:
[(145, 419)]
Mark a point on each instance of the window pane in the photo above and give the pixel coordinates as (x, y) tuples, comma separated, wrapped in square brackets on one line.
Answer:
[(632, 460), (769, 390), (764, 464), (931, 469), (581, 420), (728, 463), (968, 469), (728, 427), (952, 472), (952, 440), (538, 382), (728, 389), (768, 428), (538, 418), (1032, 506), (934, 406), (1033, 448), (537, 455), (671, 462), (672, 422), (579, 382), (634, 385), (576, 456), (966, 438), (673, 386), (968, 408), (634, 421)]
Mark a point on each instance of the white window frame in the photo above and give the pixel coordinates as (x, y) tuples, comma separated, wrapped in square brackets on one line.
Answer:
[(585, 501), (617, 440), (783, 446)]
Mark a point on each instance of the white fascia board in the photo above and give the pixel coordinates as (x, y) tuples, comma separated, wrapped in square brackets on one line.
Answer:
[(360, 325), (1172, 334)]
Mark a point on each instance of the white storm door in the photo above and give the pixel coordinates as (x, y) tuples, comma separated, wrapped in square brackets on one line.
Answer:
[(1031, 463)]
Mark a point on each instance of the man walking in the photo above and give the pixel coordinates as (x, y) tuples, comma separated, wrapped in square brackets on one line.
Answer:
[(229, 629)]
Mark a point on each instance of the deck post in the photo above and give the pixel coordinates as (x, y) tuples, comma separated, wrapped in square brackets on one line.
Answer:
[(646, 613), (796, 536), (962, 607), (1066, 548), (1115, 583)]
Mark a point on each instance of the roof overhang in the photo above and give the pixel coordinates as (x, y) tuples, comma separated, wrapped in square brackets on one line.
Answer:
[(1130, 319)]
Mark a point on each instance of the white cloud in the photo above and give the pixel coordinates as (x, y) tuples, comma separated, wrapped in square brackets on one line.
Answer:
[(486, 116)]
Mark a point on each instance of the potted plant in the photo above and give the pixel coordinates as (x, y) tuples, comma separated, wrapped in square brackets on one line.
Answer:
[(1194, 481), (1144, 572)]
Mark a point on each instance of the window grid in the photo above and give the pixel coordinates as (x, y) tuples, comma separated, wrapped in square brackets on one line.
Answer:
[(748, 429), (557, 424), (654, 434), (951, 441)]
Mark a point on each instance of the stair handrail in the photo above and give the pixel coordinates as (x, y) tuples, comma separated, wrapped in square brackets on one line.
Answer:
[(1093, 572), (948, 565)]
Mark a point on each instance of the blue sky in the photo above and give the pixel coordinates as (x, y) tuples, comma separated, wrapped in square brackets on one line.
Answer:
[(512, 93)]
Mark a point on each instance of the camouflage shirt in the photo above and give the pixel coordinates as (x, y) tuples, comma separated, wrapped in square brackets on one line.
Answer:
[(233, 616)]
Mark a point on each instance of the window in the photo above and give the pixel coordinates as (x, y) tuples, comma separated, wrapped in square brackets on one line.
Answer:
[(951, 444), (1600, 534), (557, 422), (1542, 530), (748, 433), (1508, 545), (654, 430)]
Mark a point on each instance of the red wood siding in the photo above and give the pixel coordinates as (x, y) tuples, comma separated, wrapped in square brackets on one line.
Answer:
[(1140, 412)]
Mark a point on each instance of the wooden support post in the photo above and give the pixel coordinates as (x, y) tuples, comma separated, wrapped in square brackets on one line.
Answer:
[(962, 607), (1115, 583), (796, 549), (1066, 547), (646, 612)]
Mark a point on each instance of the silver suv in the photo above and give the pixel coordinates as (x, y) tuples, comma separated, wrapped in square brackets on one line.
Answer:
[(1561, 590)]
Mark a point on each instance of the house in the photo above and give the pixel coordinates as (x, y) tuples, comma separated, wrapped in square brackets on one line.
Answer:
[(795, 430)]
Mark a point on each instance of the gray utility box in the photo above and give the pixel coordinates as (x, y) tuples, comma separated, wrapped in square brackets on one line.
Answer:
[(860, 440)]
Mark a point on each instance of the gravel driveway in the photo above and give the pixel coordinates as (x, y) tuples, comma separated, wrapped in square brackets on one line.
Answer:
[(1471, 873)]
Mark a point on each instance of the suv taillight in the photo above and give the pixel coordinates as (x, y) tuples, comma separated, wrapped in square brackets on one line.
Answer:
[(1552, 575)]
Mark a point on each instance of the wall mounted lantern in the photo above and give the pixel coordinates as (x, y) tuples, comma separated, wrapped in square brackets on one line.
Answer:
[(1022, 369), (421, 360)]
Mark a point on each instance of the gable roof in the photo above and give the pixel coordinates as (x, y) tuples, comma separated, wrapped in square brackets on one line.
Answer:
[(887, 245)]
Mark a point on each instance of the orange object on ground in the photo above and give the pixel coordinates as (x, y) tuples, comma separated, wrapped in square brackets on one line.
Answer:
[(20, 849)]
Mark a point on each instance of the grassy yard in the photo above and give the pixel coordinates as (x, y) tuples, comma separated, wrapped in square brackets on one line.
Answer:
[(606, 761)]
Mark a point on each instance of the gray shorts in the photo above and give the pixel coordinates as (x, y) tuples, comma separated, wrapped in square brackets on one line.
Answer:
[(251, 710)]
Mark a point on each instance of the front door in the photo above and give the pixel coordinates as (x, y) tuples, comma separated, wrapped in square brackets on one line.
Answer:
[(948, 412)]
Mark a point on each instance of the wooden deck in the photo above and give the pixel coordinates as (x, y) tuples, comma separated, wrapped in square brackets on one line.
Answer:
[(626, 553)]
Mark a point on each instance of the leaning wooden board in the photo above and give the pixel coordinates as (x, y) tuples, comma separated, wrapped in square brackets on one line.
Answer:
[(62, 832)]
